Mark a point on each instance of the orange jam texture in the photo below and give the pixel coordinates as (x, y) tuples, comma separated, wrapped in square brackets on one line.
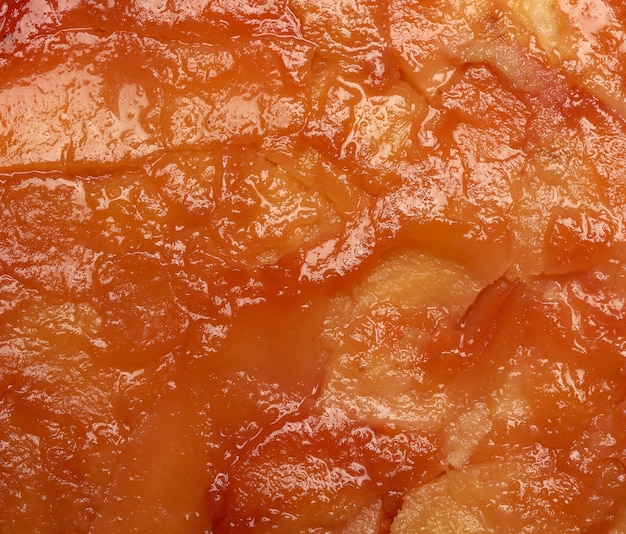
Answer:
[(314, 266)]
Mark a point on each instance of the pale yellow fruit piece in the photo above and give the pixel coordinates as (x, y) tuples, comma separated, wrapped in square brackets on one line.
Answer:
[(523, 493), (377, 365), (411, 278)]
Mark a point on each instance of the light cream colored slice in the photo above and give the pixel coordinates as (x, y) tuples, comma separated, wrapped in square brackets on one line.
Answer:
[(377, 364), (525, 492)]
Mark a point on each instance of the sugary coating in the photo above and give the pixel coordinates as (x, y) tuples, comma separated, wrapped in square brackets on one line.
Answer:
[(343, 267)]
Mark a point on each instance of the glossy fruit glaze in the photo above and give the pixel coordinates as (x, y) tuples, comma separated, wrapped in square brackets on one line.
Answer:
[(312, 266)]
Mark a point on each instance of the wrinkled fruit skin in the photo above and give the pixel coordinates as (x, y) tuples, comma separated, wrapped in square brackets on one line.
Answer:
[(312, 266)]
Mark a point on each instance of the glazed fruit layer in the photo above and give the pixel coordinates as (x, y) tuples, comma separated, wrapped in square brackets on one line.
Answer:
[(315, 266)]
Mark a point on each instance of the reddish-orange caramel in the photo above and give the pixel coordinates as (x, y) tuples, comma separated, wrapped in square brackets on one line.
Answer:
[(344, 267)]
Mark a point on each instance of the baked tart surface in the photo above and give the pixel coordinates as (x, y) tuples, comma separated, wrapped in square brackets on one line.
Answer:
[(312, 266)]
